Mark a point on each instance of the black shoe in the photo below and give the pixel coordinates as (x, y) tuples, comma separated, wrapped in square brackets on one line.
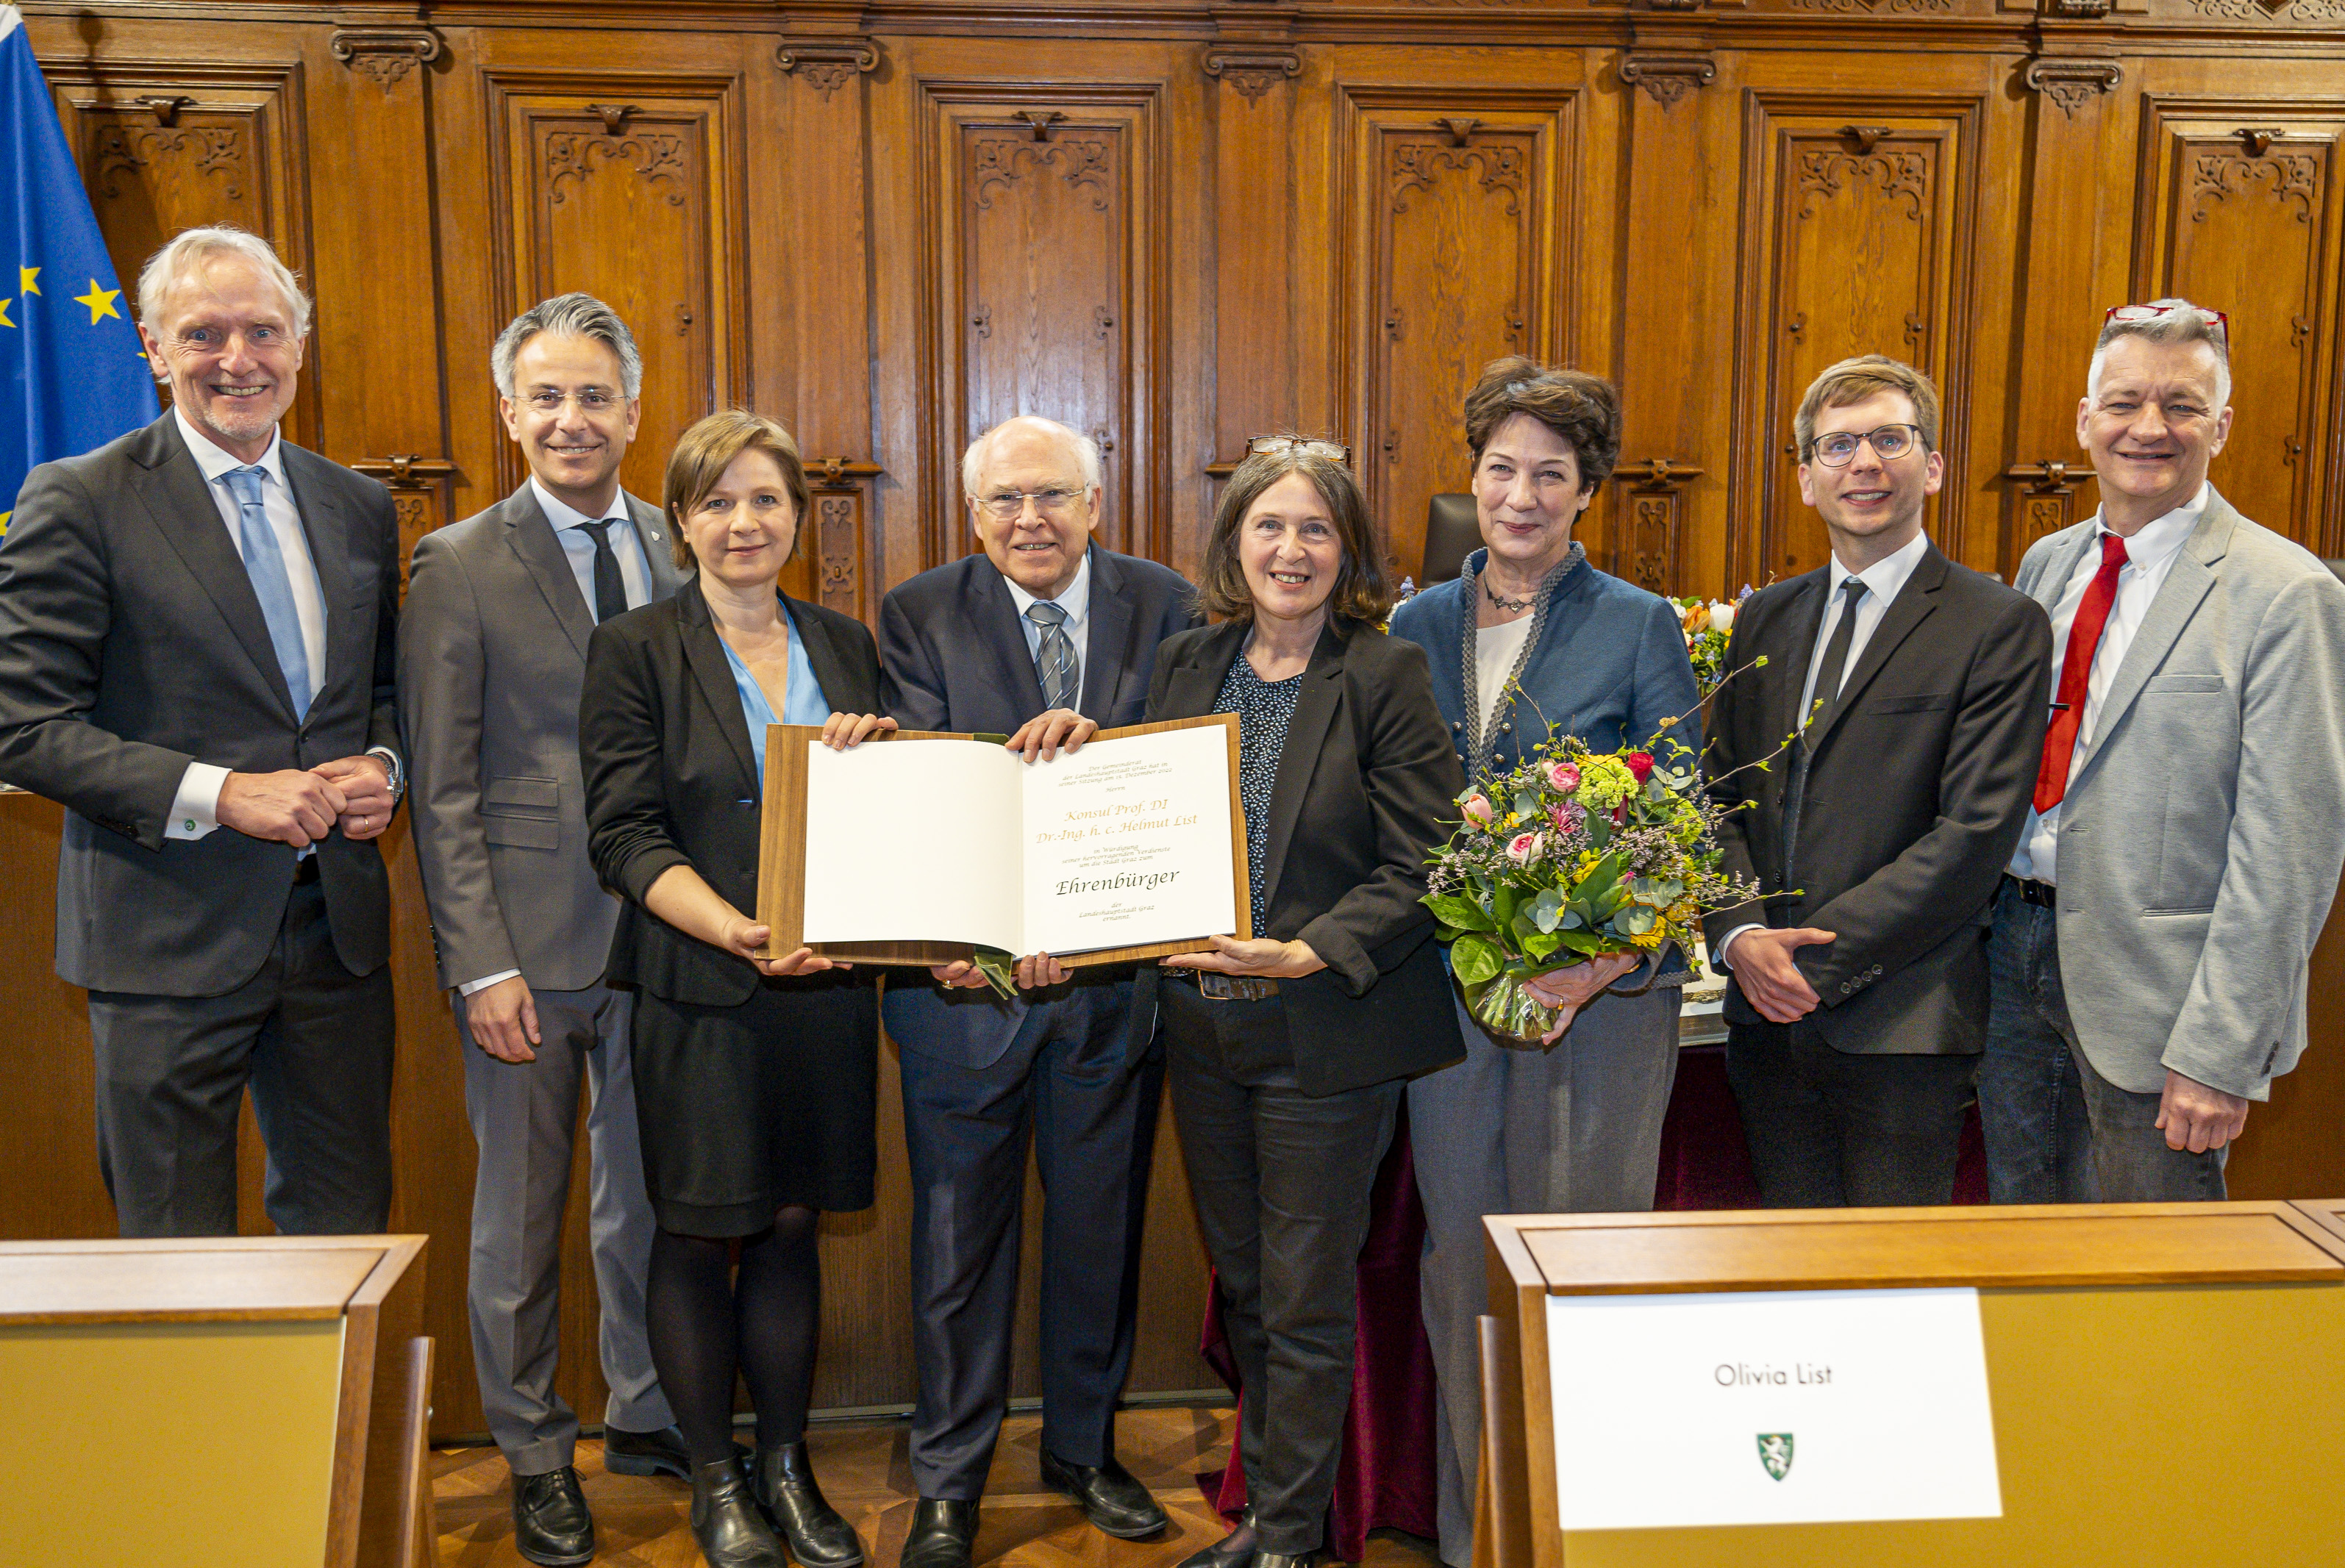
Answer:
[(819, 1536), (1108, 1494), (1235, 1550), (943, 1531), (551, 1524), (725, 1522), (660, 1453), (1310, 1558)]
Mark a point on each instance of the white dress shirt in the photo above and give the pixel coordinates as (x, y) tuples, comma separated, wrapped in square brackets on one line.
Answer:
[(576, 543), (1076, 600), (1496, 650), (2150, 554), (1884, 581)]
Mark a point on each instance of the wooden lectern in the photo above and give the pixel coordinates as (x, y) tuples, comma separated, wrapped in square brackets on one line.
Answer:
[(2168, 1379), (255, 1401)]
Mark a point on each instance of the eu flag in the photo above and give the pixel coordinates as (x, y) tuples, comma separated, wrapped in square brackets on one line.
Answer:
[(71, 377)]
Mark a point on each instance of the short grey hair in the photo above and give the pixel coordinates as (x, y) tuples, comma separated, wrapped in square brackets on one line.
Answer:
[(2179, 321), (1085, 450), (192, 248), (569, 316)]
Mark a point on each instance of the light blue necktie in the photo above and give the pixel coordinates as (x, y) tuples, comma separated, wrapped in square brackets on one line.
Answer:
[(264, 563)]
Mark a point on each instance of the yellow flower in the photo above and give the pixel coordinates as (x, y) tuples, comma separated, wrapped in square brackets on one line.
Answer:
[(1653, 938)]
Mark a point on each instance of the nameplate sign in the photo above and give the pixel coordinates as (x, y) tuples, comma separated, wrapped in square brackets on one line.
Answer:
[(1771, 1408)]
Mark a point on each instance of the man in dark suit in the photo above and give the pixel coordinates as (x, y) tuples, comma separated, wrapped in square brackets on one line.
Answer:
[(1914, 690), (1044, 634), (491, 659), (197, 628)]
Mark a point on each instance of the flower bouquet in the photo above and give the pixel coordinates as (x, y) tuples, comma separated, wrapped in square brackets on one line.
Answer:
[(1707, 623), (1571, 857)]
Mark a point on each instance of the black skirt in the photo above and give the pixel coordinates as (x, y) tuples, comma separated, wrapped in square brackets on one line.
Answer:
[(747, 1109)]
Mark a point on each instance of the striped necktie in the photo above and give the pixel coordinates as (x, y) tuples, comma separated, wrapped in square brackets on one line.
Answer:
[(1054, 660)]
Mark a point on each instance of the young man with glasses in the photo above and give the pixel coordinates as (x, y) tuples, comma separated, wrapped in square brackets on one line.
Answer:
[(1914, 690), (1043, 635), (2181, 849)]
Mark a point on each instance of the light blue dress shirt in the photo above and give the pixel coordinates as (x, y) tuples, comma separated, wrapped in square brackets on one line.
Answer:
[(802, 704)]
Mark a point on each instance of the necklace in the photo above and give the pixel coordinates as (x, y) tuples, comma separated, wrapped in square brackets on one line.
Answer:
[(1511, 606)]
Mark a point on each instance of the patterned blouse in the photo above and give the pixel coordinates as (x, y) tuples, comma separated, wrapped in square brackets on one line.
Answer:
[(1263, 708)]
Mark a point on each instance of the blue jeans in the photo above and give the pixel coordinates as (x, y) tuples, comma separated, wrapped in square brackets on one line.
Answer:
[(2031, 1092)]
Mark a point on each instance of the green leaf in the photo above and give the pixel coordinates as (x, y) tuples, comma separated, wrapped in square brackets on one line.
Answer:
[(1503, 902), (1546, 909), (1588, 943), (1634, 921), (1462, 913), (1477, 960), (1539, 947), (999, 968)]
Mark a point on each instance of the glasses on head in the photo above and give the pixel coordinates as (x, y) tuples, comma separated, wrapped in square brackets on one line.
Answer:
[(2152, 312), (1336, 452), (1008, 506), (1890, 442)]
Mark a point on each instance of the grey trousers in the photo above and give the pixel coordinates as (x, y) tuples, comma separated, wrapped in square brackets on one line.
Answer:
[(1573, 1130), (525, 1118)]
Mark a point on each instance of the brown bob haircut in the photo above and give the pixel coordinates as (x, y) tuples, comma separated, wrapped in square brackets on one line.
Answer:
[(704, 451), (1583, 410), (1854, 381), (1362, 590)]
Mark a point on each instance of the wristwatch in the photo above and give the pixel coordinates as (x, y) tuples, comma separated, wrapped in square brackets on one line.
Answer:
[(397, 770)]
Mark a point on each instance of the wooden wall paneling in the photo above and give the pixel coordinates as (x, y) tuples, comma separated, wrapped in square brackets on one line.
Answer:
[(48, 1158), (2239, 203), (1858, 223)]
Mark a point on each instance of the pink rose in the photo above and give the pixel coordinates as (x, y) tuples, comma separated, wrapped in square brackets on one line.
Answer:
[(1640, 765), (1569, 818), (1477, 807), (1522, 847), (1562, 777)]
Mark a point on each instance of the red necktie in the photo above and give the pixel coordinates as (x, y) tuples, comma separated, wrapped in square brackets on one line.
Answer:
[(2076, 675)]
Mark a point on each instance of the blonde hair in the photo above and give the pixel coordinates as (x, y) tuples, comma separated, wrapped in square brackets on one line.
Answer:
[(1852, 381), (706, 450)]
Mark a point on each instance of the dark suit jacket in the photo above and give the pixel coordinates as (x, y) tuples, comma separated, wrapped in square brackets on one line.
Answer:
[(131, 643), (1365, 784), (1917, 788), (671, 779)]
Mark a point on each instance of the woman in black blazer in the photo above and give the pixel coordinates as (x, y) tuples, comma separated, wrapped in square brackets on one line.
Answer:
[(754, 1079), (1286, 1053)]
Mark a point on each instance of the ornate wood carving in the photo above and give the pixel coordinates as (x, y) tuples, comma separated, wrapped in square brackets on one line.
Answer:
[(1667, 78), (828, 66), (1904, 177), (2047, 505), (419, 490), (657, 158), (1252, 69), (1884, 7), (834, 550), (384, 56), (2291, 178), (215, 152), (1080, 159), (1649, 549), (1416, 165), (2072, 83), (2271, 10), (2080, 7)]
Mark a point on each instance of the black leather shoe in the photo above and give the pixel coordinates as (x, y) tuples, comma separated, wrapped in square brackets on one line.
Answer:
[(819, 1536), (551, 1524), (725, 1522), (1235, 1550), (1108, 1494), (660, 1453), (943, 1531)]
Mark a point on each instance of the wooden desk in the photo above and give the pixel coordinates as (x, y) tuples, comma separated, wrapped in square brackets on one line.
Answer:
[(2168, 1379), (254, 1401)]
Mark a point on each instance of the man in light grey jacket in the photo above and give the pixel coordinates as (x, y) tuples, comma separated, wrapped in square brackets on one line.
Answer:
[(491, 661), (2184, 845)]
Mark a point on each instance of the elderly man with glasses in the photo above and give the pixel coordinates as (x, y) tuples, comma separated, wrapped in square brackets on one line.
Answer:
[(2177, 861), (1043, 635)]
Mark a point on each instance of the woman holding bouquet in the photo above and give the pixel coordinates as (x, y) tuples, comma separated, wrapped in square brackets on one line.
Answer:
[(1286, 1052), (1531, 634)]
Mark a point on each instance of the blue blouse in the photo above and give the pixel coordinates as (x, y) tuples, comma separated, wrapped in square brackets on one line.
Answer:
[(803, 701)]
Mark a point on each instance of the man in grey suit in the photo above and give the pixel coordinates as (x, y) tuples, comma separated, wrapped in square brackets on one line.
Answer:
[(491, 661), (2152, 936), (196, 635)]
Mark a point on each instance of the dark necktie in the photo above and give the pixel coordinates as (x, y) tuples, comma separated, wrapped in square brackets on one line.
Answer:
[(609, 588), (2076, 675), (1054, 658), (1830, 677)]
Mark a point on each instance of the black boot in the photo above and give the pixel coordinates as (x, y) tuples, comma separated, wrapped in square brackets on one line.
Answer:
[(725, 1522), (819, 1535)]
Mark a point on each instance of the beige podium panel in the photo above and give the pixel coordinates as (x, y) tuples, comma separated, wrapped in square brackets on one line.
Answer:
[(2168, 1381), (232, 1401)]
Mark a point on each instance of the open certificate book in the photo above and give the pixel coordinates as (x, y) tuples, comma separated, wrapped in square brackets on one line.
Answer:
[(1130, 847)]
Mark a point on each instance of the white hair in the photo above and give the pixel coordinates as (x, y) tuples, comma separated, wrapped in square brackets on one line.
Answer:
[(191, 249), (2178, 321), (1084, 450)]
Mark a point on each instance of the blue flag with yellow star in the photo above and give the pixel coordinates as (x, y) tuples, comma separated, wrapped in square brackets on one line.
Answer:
[(71, 377)]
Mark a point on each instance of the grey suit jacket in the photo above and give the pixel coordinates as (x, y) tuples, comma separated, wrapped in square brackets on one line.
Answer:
[(131, 643), (2199, 838), (491, 661)]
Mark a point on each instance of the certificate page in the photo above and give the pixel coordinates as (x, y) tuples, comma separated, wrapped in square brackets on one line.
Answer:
[(914, 841), (1128, 842)]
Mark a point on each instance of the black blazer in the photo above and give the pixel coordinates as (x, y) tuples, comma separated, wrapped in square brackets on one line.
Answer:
[(1917, 788), (671, 779), (131, 643), (1366, 784)]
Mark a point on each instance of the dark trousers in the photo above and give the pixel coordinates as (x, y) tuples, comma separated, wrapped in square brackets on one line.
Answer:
[(314, 1043), (966, 1131), (1281, 1180), (2032, 1111), (1831, 1128)]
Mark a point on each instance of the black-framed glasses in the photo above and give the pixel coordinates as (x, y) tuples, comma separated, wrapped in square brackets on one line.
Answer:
[(2152, 312), (1010, 504), (1334, 450), (1889, 443)]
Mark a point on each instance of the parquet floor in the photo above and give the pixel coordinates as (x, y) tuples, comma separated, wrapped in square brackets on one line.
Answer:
[(640, 1522)]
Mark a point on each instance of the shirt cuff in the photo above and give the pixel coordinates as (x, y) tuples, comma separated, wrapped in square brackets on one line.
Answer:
[(393, 766), (195, 810), (469, 987), (1721, 958)]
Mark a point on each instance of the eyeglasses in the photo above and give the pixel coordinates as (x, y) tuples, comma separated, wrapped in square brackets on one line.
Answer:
[(1009, 505), (1890, 442), (2152, 312), (1334, 450)]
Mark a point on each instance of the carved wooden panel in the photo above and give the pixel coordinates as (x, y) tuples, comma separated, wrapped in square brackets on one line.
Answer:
[(629, 191), (2245, 204), (1455, 236), (1858, 217), (1046, 219)]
